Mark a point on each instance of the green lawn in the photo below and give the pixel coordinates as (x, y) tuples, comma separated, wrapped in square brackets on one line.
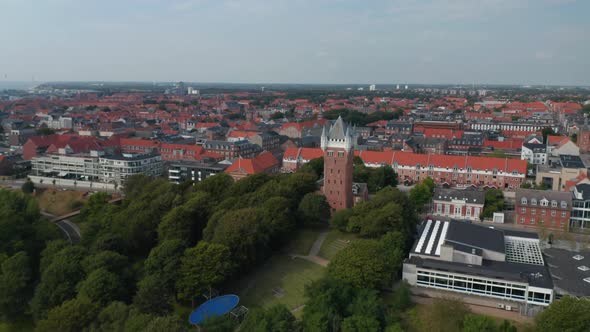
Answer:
[(335, 241), (281, 280), (301, 241)]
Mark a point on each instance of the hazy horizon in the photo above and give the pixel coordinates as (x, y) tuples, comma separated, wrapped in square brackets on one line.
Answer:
[(493, 42)]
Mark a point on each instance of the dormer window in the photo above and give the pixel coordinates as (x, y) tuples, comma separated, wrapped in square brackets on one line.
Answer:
[(417, 166), (533, 201), (544, 202), (523, 201), (563, 204), (553, 203), (469, 169)]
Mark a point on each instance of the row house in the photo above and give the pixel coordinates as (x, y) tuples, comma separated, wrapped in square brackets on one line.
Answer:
[(466, 204), (543, 208), (510, 126), (460, 171)]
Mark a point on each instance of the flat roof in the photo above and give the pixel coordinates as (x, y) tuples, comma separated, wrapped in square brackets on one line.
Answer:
[(534, 275), (568, 273), (476, 236)]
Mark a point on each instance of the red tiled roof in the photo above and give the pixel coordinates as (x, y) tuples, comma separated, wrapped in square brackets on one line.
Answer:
[(310, 153), (139, 142), (259, 164), (513, 143)]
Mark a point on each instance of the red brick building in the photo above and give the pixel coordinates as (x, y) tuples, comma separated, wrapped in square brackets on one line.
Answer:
[(543, 208), (501, 173), (338, 147)]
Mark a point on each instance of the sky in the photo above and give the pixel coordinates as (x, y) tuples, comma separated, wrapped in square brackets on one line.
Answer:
[(297, 41)]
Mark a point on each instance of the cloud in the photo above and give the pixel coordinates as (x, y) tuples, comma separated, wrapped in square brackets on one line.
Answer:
[(543, 55)]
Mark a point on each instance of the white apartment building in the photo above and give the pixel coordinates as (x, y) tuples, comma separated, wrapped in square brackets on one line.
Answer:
[(535, 154), (95, 166)]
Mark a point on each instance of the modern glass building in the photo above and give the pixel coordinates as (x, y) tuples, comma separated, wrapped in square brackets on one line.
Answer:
[(472, 260)]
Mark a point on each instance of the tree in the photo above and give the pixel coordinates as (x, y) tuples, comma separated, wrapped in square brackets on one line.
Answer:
[(168, 323), (547, 131), (153, 295), (377, 221), (15, 286), (340, 219), (242, 232), (330, 301), (58, 280), (108, 260), (402, 297), (315, 166), (380, 178), (358, 323), (494, 202), (421, 194), (479, 323), (186, 222), (28, 187), (363, 264), (71, 316), (566, 314), (44, 131), (314, 209), (164, 260), (102, 287), (276, 318), (111, 318), (202, 267), (137, 321), (443, 315)]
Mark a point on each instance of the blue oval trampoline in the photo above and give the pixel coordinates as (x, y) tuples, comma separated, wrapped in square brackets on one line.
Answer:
[(214, 307)]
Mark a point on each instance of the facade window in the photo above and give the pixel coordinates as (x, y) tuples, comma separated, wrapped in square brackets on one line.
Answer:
[(457, 210), (532, 221), (533, 211), (553, 213), (330, 153), (563, 214), (476, 213), (522, 220), (340, 154), (468, 211), (523, 210), (447, 209), (438, 208), (543, 212)]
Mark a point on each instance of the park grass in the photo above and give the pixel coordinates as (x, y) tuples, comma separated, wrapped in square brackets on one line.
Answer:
[(60, 202), (335, 241), (280, 272), (302, 241)]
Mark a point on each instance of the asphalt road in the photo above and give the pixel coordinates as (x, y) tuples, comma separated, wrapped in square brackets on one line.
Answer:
[(69, 228)]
